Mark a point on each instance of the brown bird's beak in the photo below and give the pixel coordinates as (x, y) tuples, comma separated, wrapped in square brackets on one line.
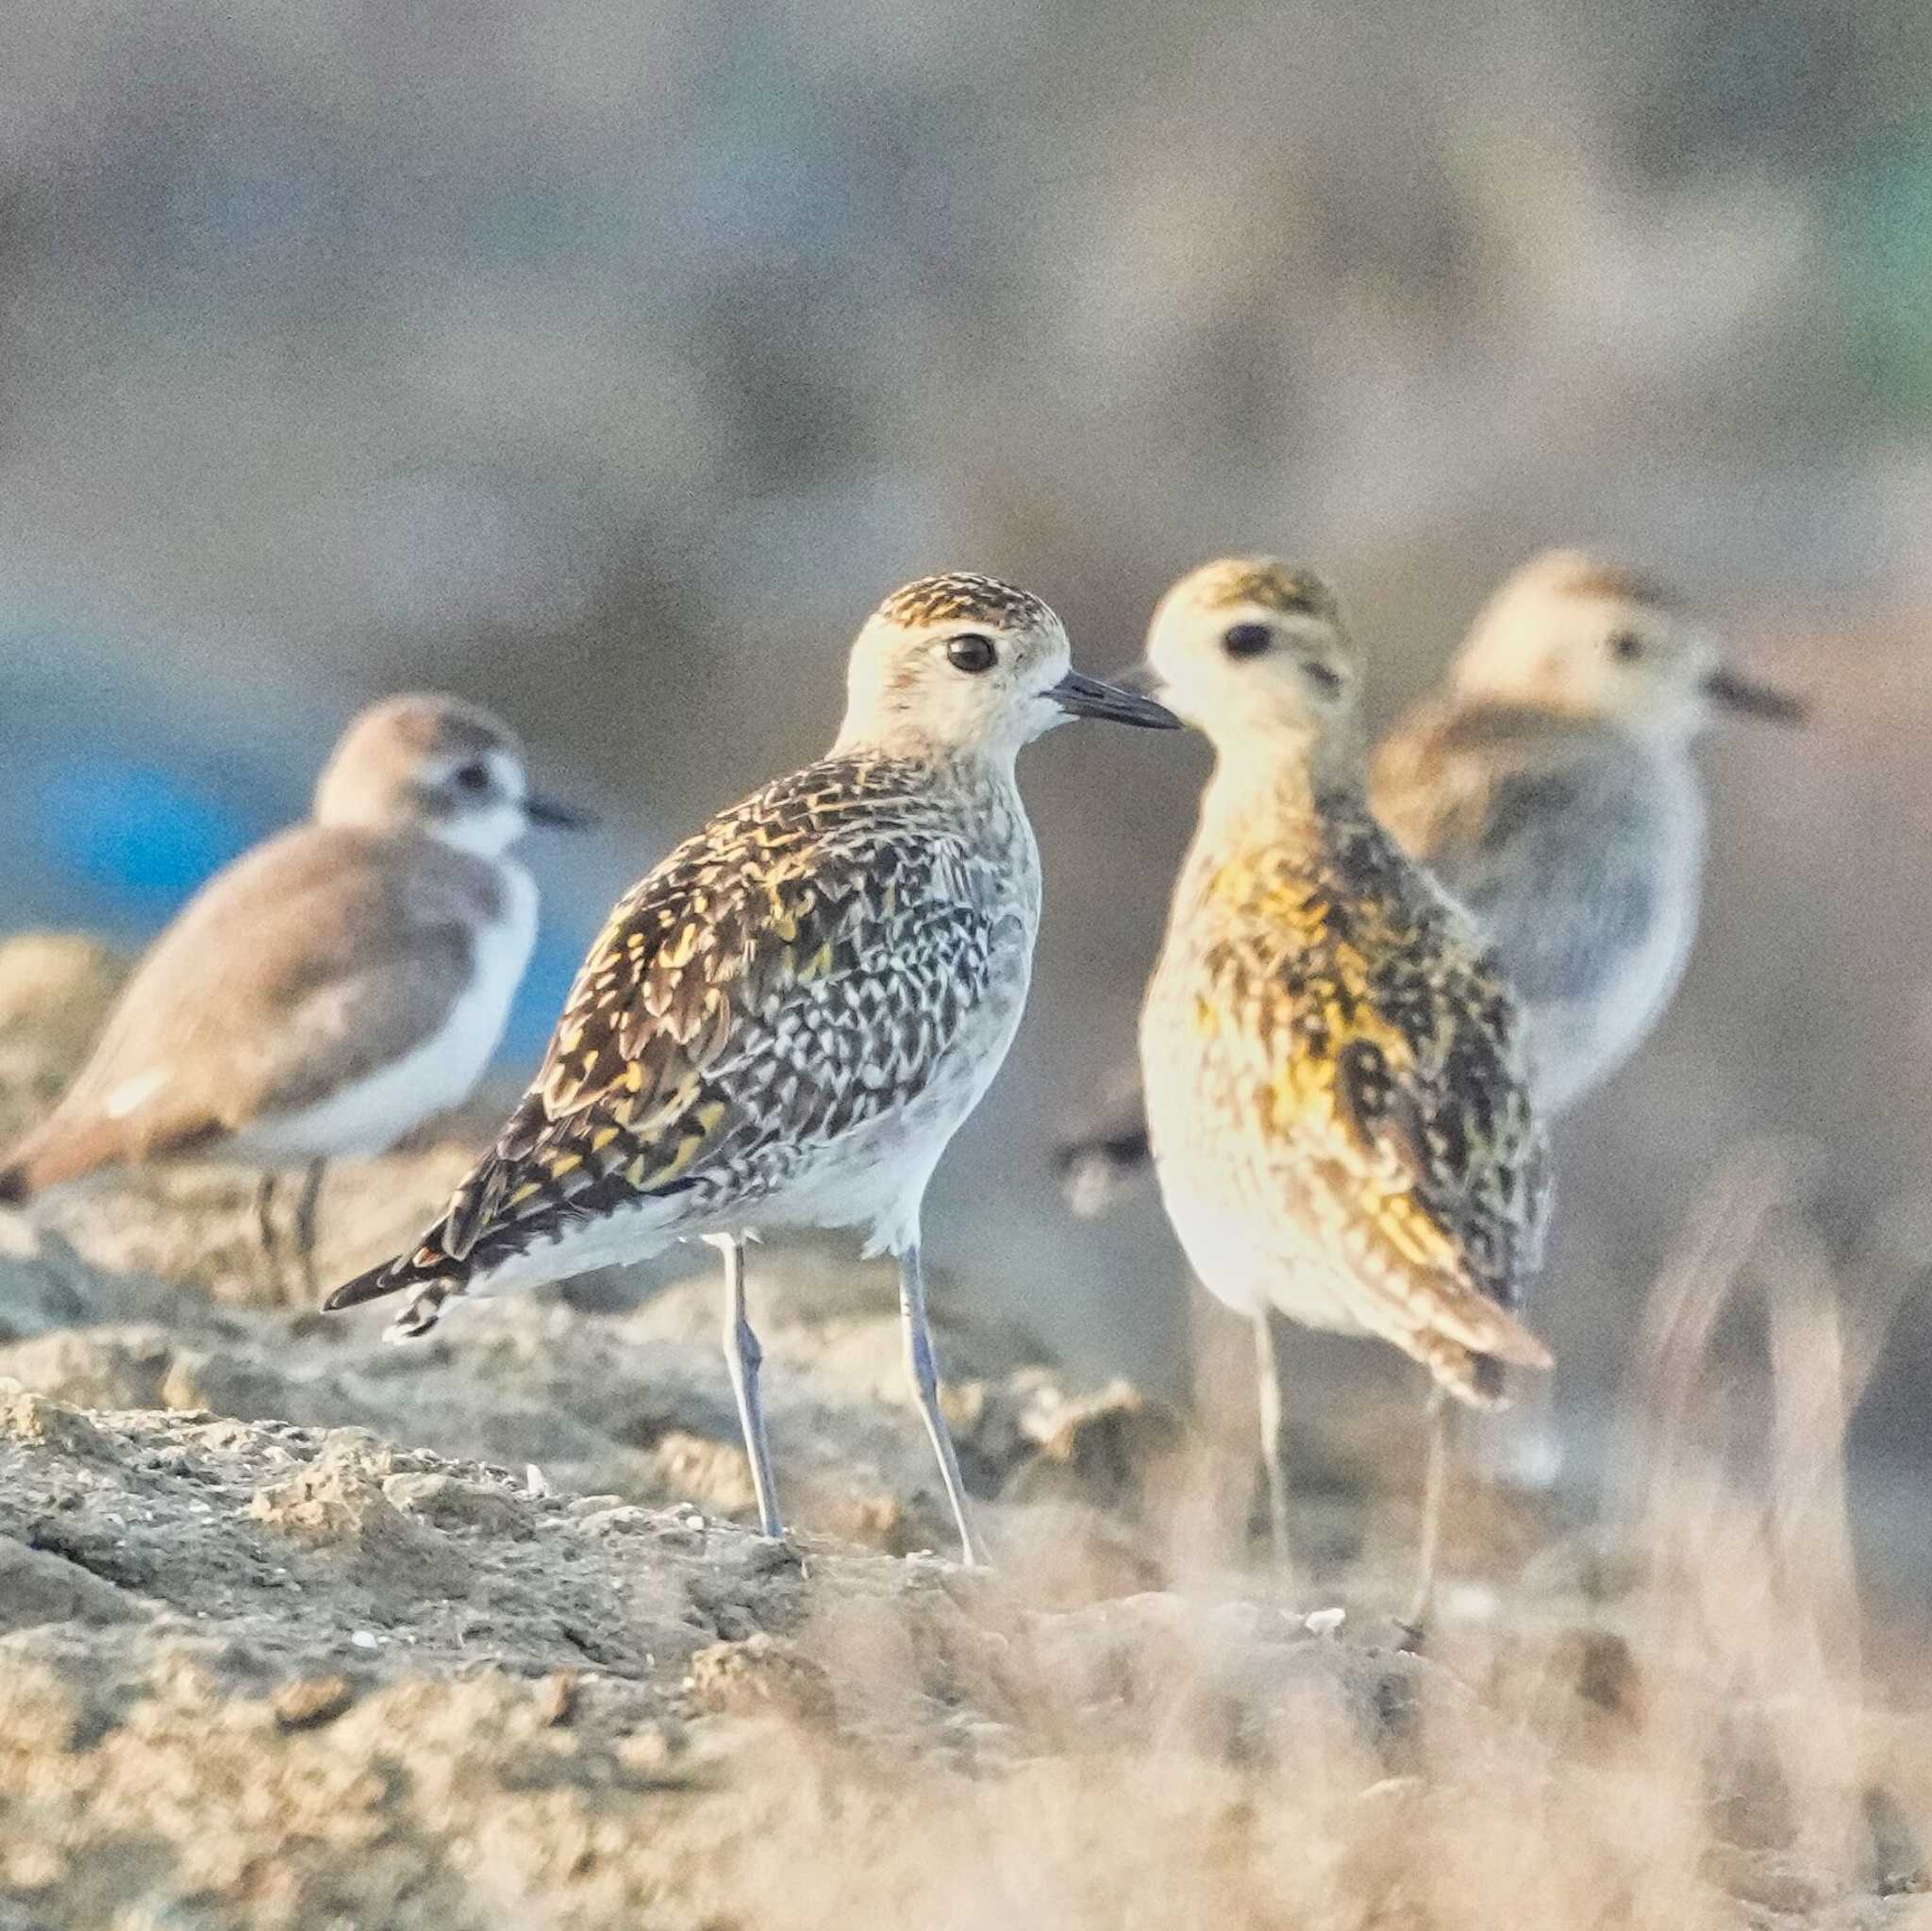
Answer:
[(539, 809), (1081, 696), (1753, 699)]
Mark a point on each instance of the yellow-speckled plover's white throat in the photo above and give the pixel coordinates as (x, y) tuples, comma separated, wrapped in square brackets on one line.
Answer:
[(786, 1022), (1337, 1099), (334, 988), (1550, 786)]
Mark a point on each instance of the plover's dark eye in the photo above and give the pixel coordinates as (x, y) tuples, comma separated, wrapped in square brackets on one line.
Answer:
[(1626, 646), (1246, 639), (971, 653), (473, 778), (1324, 677)]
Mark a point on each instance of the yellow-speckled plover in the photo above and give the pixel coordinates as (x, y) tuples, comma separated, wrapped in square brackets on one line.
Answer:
[(786, 1022), (331, 988), (1337, 1097), (1550, 786)]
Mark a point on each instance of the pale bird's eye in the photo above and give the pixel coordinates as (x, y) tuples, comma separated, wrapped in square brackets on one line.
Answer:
[(971, 652), (1246, 639), (473, 778), (1324, 677), (1626, 646)]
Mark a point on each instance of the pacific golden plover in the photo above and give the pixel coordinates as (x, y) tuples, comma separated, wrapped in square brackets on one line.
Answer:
[(786, 1022), (1550, 786), (1552, 789), (1337, 1098), (332, 988)]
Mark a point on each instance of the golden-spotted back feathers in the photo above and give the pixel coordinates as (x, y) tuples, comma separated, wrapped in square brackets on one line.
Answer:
[(801, 967), (1335, 1078)]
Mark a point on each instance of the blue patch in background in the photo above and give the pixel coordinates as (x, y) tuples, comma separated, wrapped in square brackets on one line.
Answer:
[(135, 834), (137, 841)]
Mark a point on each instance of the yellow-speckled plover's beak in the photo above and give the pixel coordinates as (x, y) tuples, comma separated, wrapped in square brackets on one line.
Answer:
[(539, 809), (1740, 694), (1081, 696)]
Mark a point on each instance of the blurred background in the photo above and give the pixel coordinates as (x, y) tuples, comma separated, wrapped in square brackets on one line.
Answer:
[(607, 360)]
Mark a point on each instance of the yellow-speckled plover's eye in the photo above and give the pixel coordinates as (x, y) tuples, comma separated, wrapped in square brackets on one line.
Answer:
[(971, 653), (1626, 646), (1246, 639), (473, 778)]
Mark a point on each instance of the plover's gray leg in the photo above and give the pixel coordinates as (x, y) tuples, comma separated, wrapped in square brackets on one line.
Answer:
[(1435, 1484), (743, 1357), (1268, 1391), (925, 1386), (265, 1227), (304, 1223)]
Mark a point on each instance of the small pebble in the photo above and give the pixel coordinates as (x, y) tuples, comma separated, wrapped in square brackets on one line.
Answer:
[(556, 1698), (311, 1701)]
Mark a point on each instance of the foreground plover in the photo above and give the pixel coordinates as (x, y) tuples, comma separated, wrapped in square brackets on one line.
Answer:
[(331, 988), (1337, 1097), (1551, 788), (786, 1022)]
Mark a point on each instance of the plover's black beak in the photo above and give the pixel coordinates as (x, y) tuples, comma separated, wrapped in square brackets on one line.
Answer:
[(1753, 699), (542, 810), (1081, 696)]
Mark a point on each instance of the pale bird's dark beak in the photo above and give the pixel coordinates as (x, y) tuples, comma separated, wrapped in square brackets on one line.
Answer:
[(1753, 699), (1082, 696), (554, 812)]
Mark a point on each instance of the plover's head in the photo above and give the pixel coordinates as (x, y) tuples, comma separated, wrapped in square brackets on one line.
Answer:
[(962, 662), (438, 765), (1574, 634), (1253, 651)]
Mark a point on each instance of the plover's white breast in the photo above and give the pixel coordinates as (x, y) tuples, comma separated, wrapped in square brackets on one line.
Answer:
[(371, 1114), (1656, 866)]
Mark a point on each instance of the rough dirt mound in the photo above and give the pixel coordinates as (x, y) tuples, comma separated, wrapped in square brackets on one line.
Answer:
[(300, 1631)]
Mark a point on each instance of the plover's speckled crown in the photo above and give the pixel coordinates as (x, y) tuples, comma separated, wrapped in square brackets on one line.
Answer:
[(786, 1022), (1552, 789), (334, 988), (1335, 1087), (959, 596), (1550, 786)]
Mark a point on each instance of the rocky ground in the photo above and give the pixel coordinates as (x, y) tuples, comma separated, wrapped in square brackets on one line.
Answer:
[(297, 1630)]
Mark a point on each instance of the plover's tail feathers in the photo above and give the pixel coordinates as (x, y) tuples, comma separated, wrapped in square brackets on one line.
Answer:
[(436, 1277), (1106, 1154), (443, 1260)]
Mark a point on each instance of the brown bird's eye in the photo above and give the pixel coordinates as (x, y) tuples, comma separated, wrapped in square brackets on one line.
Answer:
[(971, 653), (1245, 640), (473, 778), (1626, 646)]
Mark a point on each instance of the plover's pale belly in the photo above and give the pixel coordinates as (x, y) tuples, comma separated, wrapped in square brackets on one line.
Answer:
[(876, 1177), (372, 1115), (1577, 1043), (1244, 1267)]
